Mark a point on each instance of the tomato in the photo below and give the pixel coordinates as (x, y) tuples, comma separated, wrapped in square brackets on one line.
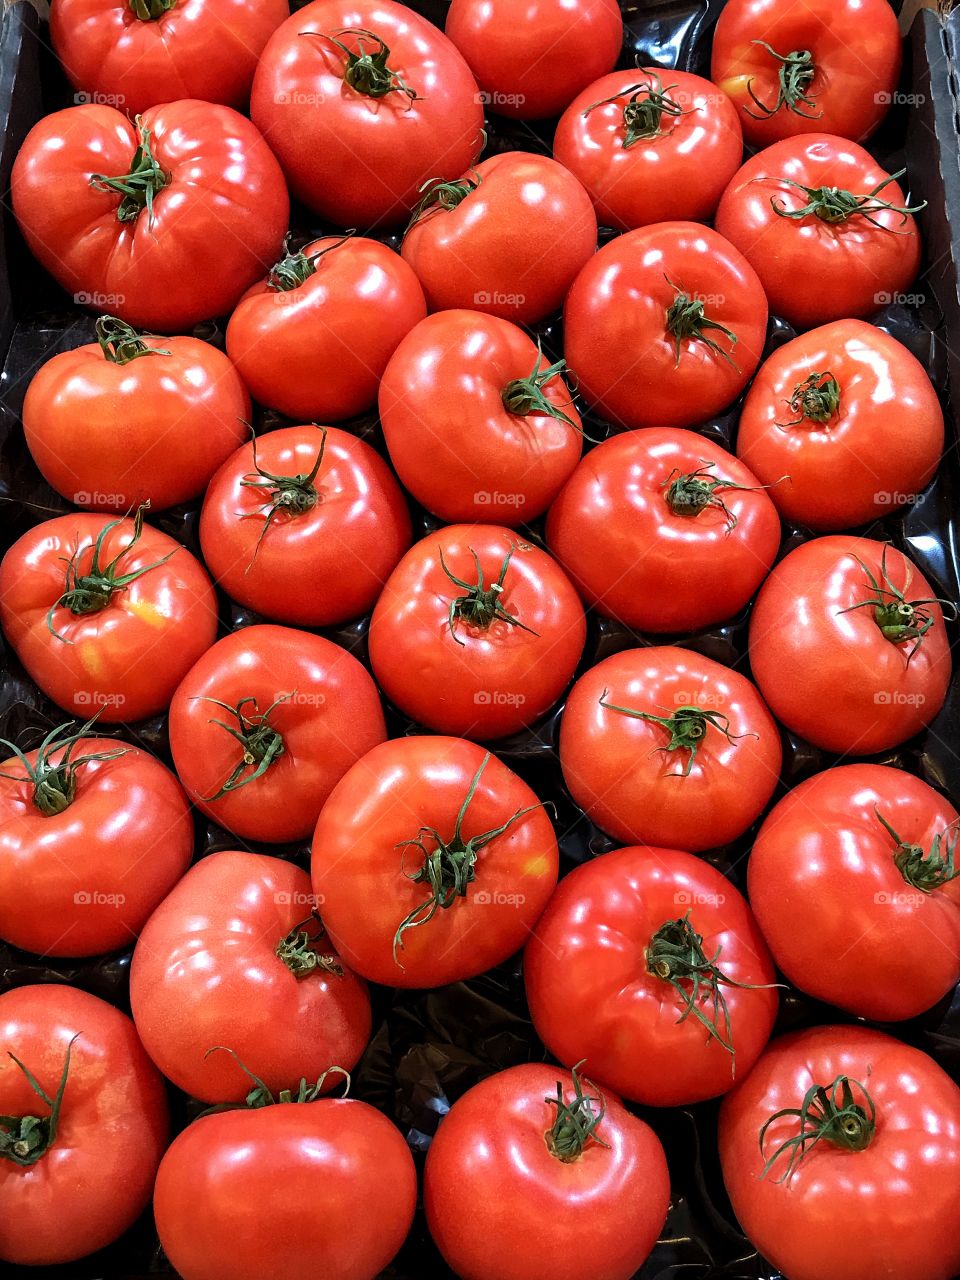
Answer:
[(81, 1142), (135, 56), (264, 726), (875, 1190), (314, 338), (651, 146), (431, 862), (830, 234), (848, 645), (163, 221), (304, 506), (507, 239), (850, 418), (562, 1187), (479, 424), (649, 966), (363, 102), (531, 59), (792, 66), (664, 530), (130, 419), (664, 326), (105, 617)]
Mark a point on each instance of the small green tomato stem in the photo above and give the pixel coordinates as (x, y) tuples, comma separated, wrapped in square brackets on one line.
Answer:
[(796, 74), (576, 1122), (26, 1139), (138, 188), (827, 1114), (55, 784)]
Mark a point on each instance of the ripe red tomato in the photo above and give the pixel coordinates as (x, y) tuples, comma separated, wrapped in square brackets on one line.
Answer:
[(507, 238), (432, 862), (163, 221), (875, 1187), (848, 645), (130, 419), (137, 55), (105, 616), (81, 1142), (651, 146), (314, 338), (264, 726), (649, 966), (663, 746), (850, 418), (234, 948), (531, 59), (829, 233), (479, 424), (664, 326), (664, 530), (793, 66), (364, 101), (304, 507), (553, 1181)]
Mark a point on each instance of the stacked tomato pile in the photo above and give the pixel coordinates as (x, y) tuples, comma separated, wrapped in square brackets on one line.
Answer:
[(330, 710)]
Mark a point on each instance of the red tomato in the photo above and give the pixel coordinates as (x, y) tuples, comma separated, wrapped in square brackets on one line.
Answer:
[(507, 239), (796, 65), (664, 530), (851, 879), (131, 419), (562, 1186), (137, 55), (848, 645), (432, 862), (829, 233), (364, 101), (105, 617), (531, 59), (663, 746), (80, 1144), (476, 633), (875, 1190), (479, 424), (850, 418), (664, 326), (233, 949), (649, 966), (651, 146), (305, 526), (264, 726), (314, 338)]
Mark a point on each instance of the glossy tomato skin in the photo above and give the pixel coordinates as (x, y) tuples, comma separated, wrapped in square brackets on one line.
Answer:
[(314, 568), (842, 921), (84, 1191), (617, 342), (316, 352), (887, 1210), (855, 46), (877, 452), (475, 681), (591, 996), (833, 677), (357, 160), (618, 771), (535, 1213), (634, 559), (363, 879), (330, 714), (126, 659), (511, 247), (814, 271), (206, 972), (333, 1181), (224, 188), (453, 443), (678, 175)]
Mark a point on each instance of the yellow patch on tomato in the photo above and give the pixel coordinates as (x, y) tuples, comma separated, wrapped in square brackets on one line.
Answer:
[(147, 612)]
